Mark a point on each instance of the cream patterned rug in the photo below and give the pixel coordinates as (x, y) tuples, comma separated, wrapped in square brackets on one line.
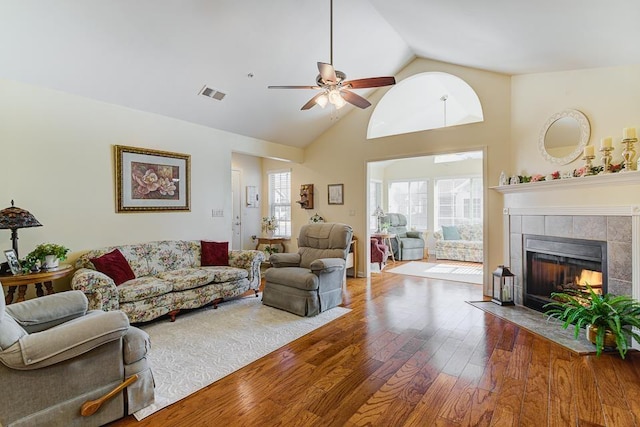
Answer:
[(205, 345), (467, 273)]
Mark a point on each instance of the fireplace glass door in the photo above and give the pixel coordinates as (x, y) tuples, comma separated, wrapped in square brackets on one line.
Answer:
[(559, 265)]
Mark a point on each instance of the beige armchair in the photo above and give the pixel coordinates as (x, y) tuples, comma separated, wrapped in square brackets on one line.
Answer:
[(61, 365), (310, 281)]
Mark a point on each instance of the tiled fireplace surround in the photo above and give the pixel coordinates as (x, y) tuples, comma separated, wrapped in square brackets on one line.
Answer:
[(618, 226)]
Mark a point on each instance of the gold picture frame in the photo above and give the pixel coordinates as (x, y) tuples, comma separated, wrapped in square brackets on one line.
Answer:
[(151, 180)]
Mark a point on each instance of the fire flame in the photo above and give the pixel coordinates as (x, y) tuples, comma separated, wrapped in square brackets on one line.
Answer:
[(592, 278)]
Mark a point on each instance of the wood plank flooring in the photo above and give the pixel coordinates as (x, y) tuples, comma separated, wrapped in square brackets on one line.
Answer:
[(413, 353)]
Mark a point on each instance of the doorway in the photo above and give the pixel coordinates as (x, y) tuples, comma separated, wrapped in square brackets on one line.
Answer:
[(429, 192), (236, 210)]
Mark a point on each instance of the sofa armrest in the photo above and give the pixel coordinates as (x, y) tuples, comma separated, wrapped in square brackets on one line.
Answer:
[(415, 235), (286, 259), (324, 265), (65, 341), (99, 288), (38, 314), (250, 260)]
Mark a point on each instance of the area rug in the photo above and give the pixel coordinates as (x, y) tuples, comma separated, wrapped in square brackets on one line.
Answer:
[(444, 271), (205, 345), (538, 323)]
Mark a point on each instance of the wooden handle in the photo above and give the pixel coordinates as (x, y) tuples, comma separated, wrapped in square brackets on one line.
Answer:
[(90, 407)]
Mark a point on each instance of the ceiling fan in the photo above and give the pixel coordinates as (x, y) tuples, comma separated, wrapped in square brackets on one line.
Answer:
[(333, 86)]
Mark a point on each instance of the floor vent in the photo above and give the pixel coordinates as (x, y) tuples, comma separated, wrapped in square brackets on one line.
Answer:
[(212, 93)]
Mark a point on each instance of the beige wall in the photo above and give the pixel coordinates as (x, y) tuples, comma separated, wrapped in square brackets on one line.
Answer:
[(57, 162), (609, 97), (341, 154)]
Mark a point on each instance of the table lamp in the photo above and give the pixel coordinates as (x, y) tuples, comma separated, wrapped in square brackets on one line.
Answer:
[(13, 218), (378, 213)]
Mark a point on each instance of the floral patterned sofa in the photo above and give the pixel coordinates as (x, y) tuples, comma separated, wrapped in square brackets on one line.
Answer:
[(168, 277), (460, 243)]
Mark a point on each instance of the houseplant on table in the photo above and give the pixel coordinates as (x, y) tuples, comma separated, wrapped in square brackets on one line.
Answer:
[(609, 319), (269, 225), (48, 254)]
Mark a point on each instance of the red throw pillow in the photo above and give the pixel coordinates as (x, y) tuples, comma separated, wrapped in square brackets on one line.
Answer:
[(214, 253), (114, 265)]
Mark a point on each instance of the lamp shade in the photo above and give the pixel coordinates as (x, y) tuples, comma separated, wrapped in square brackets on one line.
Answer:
[(13, 218)]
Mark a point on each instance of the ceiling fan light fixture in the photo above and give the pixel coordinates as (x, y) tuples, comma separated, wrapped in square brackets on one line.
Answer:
[(335, 97), (322, 100)]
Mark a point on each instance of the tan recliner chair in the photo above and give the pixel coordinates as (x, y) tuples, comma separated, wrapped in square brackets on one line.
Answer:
[(61, 365), (310, 281)]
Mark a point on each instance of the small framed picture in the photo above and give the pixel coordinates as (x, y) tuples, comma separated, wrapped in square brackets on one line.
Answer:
[(12, 259), (336, 194)]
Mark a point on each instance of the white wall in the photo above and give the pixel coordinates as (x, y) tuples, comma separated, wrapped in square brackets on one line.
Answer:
[(57, 162)]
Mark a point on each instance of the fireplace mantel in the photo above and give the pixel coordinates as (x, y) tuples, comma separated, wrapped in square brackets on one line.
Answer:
[(618, 178)]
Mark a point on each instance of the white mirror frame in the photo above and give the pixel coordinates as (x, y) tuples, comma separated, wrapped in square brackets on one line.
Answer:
[(585, 133)]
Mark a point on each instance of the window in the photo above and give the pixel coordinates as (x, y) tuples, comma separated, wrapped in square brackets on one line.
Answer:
[(458, 201), (425, 101), (280, 201), (410, 198), (375, 200)]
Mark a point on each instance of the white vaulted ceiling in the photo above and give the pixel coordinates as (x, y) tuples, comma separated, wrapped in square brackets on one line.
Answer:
[(156, 55)]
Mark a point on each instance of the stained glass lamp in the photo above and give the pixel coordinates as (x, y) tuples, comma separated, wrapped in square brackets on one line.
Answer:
[(13, 218)]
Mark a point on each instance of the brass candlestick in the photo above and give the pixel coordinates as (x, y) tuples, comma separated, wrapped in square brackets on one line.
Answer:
[(628, 154), (606, 159), (587, 164)]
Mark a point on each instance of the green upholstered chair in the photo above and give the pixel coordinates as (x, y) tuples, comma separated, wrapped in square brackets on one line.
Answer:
[(407, 245)]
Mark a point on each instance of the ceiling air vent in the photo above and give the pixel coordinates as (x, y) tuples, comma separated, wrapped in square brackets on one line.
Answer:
[(212, 93)]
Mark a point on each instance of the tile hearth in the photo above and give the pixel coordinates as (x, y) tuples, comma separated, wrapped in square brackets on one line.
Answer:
[(537, 323)]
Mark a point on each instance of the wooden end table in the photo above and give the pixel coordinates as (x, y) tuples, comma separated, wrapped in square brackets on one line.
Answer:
[(270, 241), (21, 281)]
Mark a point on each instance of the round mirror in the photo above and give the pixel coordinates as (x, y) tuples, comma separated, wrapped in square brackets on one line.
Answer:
[(564, 136)]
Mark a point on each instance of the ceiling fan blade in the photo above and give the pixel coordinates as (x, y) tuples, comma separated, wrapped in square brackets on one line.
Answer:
[(328, 73), (369, 82), (294, 87), (354, 99), (311, 102)]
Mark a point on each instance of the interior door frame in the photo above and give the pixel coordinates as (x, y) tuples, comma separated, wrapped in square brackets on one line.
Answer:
[(236, 209)]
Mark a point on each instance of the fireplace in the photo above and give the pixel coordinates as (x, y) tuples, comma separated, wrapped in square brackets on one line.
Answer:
[(558, 264)]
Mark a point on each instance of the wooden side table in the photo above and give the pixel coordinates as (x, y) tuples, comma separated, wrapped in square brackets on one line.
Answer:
[(21, 281), (270, 241), (352, 258)]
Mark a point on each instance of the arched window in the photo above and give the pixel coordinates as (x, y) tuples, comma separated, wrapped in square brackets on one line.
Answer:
[(425, 101)]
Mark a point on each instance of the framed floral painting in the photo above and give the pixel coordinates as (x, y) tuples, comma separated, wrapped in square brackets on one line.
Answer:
[(151, 180)]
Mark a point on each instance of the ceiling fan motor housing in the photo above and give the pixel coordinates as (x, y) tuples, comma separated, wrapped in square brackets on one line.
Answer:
[(340, 76)]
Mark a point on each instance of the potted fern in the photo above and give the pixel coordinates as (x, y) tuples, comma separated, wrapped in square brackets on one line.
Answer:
[(609, 319)]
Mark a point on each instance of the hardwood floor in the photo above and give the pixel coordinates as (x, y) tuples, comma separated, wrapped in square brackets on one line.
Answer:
[(413, 353)]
